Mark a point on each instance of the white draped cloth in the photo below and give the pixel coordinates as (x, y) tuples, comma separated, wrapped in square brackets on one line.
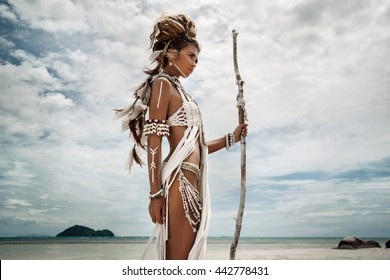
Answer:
[(189, 115)]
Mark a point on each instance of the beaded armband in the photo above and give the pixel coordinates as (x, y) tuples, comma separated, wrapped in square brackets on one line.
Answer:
[(230, 139), (159, 127), (158, 194)]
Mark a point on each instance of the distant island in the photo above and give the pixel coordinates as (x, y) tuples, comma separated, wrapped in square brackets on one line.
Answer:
[(82, 231)]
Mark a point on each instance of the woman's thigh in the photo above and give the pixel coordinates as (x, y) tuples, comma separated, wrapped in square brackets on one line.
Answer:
[(181, 235)]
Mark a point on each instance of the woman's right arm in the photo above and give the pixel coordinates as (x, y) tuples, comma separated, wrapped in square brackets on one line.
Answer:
[(158, 111)]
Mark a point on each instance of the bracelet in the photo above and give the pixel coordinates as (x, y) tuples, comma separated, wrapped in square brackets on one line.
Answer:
[(230, 140), (161, 128), (158, 194)]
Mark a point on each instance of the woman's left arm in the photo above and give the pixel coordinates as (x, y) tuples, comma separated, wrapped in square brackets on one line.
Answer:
[(220, 143)]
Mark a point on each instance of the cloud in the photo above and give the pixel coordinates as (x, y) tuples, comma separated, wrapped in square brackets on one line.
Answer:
[(7, 221), (317, 87), (7, 13), (13, 203), (53, 16)]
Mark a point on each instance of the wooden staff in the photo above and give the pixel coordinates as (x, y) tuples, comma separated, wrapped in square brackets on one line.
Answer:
[(242, 118)]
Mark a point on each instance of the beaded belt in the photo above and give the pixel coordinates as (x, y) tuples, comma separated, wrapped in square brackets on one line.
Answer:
[(191, 167)]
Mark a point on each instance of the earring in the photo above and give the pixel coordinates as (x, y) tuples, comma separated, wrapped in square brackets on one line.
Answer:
[(170, 57)]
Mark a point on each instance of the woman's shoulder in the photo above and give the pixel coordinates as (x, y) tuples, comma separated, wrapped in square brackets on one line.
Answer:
[(162, 76), (161, 81), (162, 85)]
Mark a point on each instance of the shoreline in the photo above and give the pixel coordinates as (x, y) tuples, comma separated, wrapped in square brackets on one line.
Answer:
[(217, 249)]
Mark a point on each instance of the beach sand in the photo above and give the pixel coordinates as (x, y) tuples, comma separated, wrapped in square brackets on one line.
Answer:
[(215, 251), (257, 253)]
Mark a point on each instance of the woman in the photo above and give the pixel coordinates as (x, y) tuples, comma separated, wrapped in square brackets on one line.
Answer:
[(179, 195)]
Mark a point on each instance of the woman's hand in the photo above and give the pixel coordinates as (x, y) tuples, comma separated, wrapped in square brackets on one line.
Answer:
[(241, 130), (157, 210)]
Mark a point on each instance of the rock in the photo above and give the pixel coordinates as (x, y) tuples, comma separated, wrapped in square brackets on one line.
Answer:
[(388, 244), (105, 233), (352, 242), (82, 231), (345, 247), (373, 244)]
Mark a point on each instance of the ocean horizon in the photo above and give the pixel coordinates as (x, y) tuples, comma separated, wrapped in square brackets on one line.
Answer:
[(269, 241), (218, 247), (214, 238)]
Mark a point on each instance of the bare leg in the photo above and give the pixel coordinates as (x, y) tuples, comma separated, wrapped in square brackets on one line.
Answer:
[(180, 234)]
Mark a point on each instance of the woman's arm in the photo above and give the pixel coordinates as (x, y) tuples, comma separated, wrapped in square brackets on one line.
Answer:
[(216, 144), (220, 143), (158, 111)]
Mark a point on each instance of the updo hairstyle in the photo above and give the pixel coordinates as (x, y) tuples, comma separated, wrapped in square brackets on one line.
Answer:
[(171, 32)]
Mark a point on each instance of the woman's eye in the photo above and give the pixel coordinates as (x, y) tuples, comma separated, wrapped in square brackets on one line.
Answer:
[(193, 57)]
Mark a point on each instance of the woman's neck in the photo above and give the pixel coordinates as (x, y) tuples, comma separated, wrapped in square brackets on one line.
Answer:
[(174, 70)]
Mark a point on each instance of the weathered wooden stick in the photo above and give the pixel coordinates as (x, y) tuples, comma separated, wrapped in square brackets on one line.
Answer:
[(242, 118)]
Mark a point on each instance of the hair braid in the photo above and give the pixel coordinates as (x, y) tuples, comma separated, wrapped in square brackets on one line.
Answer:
[(169, 32)]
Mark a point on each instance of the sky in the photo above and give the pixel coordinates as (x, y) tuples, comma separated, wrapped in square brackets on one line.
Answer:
[(317, 85)]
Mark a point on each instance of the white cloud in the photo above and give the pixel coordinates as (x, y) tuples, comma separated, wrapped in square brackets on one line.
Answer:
[(56, 100), (317, 87), (78, 56), (127, 23), (5, 44), (6, 13), (52, 16), (14, 203)]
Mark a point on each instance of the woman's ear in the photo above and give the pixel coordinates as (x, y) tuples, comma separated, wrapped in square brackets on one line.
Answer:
[(171, 55)]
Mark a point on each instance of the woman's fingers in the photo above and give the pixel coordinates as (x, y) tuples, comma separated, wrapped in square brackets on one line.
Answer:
[(244, 130), (241, 130), (157, 210), (152, 216), (163, 212)]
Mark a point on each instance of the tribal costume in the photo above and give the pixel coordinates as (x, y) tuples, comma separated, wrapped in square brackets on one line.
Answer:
[(196, 204)]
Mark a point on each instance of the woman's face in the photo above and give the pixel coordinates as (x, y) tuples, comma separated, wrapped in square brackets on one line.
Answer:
[(187, 59)]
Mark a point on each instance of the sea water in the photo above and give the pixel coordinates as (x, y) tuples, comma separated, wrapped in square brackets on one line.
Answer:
[(131, 248)]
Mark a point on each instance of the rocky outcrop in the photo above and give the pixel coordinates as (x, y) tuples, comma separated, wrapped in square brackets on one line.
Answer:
[(352, 242), (374, 244), (82, 231), (388, 244)]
